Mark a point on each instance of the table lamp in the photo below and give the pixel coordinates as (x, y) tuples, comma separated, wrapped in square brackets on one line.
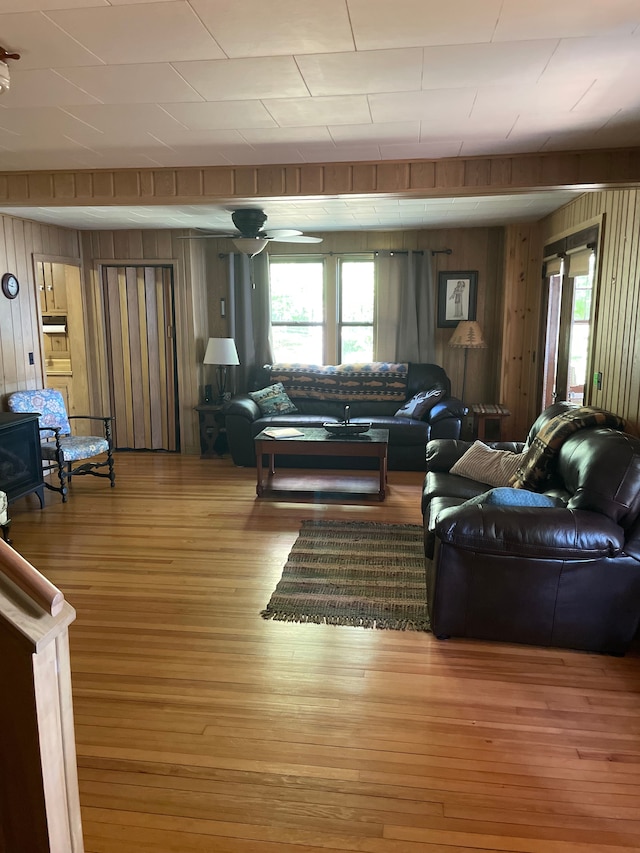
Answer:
[(468, 335), (222, 352)]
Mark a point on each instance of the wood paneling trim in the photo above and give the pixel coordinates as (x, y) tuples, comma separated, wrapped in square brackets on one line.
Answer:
[(465, 175)]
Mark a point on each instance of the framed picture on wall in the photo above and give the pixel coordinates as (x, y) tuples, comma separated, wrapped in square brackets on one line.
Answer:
[(457, 294)]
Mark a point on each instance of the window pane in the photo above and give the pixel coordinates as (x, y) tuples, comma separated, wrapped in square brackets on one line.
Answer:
[(356, 344), (357, 289), (297, 344), (296, 292)]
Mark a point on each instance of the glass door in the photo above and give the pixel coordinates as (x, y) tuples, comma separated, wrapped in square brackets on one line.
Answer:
[(569, 283)]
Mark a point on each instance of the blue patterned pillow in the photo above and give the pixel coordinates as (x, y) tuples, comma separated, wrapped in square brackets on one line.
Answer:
[(273, 400), (503, 496)]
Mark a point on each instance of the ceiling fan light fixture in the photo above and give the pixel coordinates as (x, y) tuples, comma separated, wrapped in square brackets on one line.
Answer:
[(5, 80), (251, 246)]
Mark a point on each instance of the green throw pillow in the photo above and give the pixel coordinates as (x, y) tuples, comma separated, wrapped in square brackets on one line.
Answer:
[(273, 400)]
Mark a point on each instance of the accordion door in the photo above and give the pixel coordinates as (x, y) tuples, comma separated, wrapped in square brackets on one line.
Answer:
[(139, 317)]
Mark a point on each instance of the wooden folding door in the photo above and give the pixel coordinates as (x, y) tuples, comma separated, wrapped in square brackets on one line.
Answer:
[(139, 318)]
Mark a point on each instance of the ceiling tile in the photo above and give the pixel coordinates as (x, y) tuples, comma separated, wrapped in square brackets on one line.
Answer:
[(436, 105), (400, 132), (40, 43), (536, 99), (484, 145), (270, 136), (362, 73), (409, 23), (344, 154), (261, 155), (244, 79), (146, 32), (40, 88), (284, 27), (568, 19), (124, 118), (177, 136), (131, 84), (30, 121), (420, 150), (298, 112), (457, 66), (591, 58), (605, 96), (192, 155), (48, 5), (221, 115)]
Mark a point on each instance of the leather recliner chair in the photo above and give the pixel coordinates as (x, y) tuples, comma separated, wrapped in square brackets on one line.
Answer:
[(565, 576)]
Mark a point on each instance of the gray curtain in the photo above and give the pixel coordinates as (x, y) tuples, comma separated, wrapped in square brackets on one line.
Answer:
[(406, 325), (250, 316)]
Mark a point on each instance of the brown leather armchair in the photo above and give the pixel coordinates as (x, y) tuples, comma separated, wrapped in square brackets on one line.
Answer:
[(564, 576)]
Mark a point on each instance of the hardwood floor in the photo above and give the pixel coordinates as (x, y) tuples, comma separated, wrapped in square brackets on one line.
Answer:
[(202, 727)]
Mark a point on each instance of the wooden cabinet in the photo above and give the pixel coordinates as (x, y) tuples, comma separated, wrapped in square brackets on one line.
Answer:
[(64, 348), (53, 288), (20, 457)]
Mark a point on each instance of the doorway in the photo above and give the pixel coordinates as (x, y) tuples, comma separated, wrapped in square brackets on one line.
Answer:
[(141, 357), (569, 281)]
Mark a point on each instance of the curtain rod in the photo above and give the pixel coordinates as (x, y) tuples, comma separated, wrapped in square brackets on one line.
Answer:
[(374, 252)]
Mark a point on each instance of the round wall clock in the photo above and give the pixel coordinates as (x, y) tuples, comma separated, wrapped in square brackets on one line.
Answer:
[(10, 285)]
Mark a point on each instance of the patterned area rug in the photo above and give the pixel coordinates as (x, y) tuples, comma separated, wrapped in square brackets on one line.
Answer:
[(361, 574)]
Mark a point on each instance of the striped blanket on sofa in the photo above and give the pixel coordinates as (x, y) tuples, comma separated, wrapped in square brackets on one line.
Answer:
[(538, 460), (343, 382)]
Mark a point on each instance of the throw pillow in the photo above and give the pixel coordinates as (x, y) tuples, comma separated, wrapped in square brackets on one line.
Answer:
[(273, 400), (503, 496), (483, 463), (420, 405)]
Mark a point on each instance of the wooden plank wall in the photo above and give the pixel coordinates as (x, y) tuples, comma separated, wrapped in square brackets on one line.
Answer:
[(520, 332), (616, 343), (20, 318)]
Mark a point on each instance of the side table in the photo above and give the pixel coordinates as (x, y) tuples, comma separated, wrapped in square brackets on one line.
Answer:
[(213, 435), (482, 412)]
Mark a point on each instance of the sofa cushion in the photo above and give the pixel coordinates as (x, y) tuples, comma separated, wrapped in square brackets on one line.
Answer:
[(273, 400), (421, 404), (494, 467)]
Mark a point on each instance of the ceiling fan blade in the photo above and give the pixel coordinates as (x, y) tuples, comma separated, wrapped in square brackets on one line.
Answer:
[(280, 232), (299, 239)]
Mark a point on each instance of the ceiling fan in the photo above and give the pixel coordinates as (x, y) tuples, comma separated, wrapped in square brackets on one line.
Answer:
[(250, 238)]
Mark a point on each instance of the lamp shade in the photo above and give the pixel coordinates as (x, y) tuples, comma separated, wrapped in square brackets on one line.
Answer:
[(221, 351), (251, 246), (468, 335)]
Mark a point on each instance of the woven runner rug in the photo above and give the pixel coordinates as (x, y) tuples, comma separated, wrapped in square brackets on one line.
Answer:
[(361, 574)]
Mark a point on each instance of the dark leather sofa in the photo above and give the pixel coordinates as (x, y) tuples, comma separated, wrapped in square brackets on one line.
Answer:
[(565, 576), (408, 437)]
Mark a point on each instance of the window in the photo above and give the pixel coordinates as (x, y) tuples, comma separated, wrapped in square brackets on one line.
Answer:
[(357, 300), (322, 309)]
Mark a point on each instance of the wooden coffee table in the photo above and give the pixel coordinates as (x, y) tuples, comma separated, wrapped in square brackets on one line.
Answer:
[(318, 442)]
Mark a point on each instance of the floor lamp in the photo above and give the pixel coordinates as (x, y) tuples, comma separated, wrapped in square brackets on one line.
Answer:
[(222, 352), (468, 335)]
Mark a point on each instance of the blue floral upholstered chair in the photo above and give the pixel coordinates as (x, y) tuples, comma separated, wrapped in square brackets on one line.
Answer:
[(58, 446)]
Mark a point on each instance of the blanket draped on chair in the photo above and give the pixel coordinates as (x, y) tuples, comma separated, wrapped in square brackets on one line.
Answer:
[(538, 460)]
